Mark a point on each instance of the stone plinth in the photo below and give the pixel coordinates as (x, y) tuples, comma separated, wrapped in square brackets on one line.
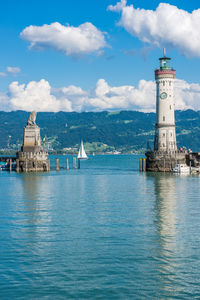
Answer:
[(32, 157), (31, 138), (33, 161), (158, 161)]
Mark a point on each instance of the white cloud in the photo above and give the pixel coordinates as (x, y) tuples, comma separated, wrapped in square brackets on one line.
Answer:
[(75, 95), (123, 97), (71, 40), (35, 96), (40, 96), (166, 26), (10, 71), (3, 74), (187, 95), (118, 7), (13, 70)]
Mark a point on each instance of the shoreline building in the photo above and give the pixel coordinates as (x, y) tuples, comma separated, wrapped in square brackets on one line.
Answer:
[(165, 154)]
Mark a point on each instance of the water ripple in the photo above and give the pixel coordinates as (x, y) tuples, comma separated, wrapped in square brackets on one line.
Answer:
[(102, 232)]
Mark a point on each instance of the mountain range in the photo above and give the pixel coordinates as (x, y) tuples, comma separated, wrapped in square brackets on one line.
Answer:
[(124, 131)]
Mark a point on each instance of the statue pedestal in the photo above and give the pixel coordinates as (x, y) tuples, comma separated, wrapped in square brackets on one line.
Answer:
[(32, 157), (31, 137)]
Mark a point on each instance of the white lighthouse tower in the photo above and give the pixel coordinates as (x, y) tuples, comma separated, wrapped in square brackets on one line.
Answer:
[(165, 155), (165, 134)]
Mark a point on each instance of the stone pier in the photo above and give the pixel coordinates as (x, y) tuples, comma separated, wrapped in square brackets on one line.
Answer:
[(160, 161)]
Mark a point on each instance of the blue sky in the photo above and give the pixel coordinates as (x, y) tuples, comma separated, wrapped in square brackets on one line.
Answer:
[(115, 70)]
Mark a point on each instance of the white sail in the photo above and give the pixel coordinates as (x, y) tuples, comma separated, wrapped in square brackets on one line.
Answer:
[(81, 153)]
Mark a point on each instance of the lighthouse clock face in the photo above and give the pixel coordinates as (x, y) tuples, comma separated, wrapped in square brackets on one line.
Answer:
[(163, 95)]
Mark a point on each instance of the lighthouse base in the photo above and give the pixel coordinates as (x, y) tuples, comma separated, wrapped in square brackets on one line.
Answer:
[(162, 161)]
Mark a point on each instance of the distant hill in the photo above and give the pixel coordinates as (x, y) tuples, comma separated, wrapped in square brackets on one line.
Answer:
[(126, 131)]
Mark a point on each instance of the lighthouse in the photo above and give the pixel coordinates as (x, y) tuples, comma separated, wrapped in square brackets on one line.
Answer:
[(165, 155), (165, 134)]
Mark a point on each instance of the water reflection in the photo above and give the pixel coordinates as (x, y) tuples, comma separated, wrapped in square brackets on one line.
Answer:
[(165, 209), (36, 203), (165, 221), (31, 183)]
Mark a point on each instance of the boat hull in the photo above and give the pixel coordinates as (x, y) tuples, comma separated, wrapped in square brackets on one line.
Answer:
[(181, 169)]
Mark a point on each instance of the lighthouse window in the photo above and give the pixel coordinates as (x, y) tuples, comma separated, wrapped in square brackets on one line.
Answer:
[(163, 118), (170, 107), (171, 134), (163, 134), (163, 83), (170, 83)]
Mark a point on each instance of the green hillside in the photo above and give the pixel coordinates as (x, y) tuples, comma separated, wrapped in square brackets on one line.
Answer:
[(125, 131)]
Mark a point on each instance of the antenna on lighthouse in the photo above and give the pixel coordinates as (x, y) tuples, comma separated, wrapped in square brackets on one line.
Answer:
[(164, 52)]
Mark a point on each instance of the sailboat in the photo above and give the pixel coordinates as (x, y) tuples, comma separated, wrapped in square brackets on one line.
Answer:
[(81, 152)]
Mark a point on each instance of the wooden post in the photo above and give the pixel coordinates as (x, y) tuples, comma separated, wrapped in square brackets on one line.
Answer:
[(17, 165), (74, 162), (10, 165), (67, 162), (26, 163), (48, 164), (144, 165), (190, 167), (57, 164), (79, 163), (141, 164)]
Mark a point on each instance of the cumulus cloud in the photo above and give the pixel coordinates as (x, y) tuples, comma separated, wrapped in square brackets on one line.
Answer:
[(40, 96), (118, 7), (166, 26), (13, 70), (187, 95), (71, 40), (123, 97), (35, 96)]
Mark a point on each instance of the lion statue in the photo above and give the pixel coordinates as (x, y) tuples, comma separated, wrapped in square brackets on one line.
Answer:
[(32, 118)]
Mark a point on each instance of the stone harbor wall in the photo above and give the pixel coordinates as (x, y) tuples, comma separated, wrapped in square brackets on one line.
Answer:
[(193, 159), (157, 161)]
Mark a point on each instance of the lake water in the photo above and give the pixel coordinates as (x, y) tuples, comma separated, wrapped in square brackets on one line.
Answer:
[(105, 231)]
